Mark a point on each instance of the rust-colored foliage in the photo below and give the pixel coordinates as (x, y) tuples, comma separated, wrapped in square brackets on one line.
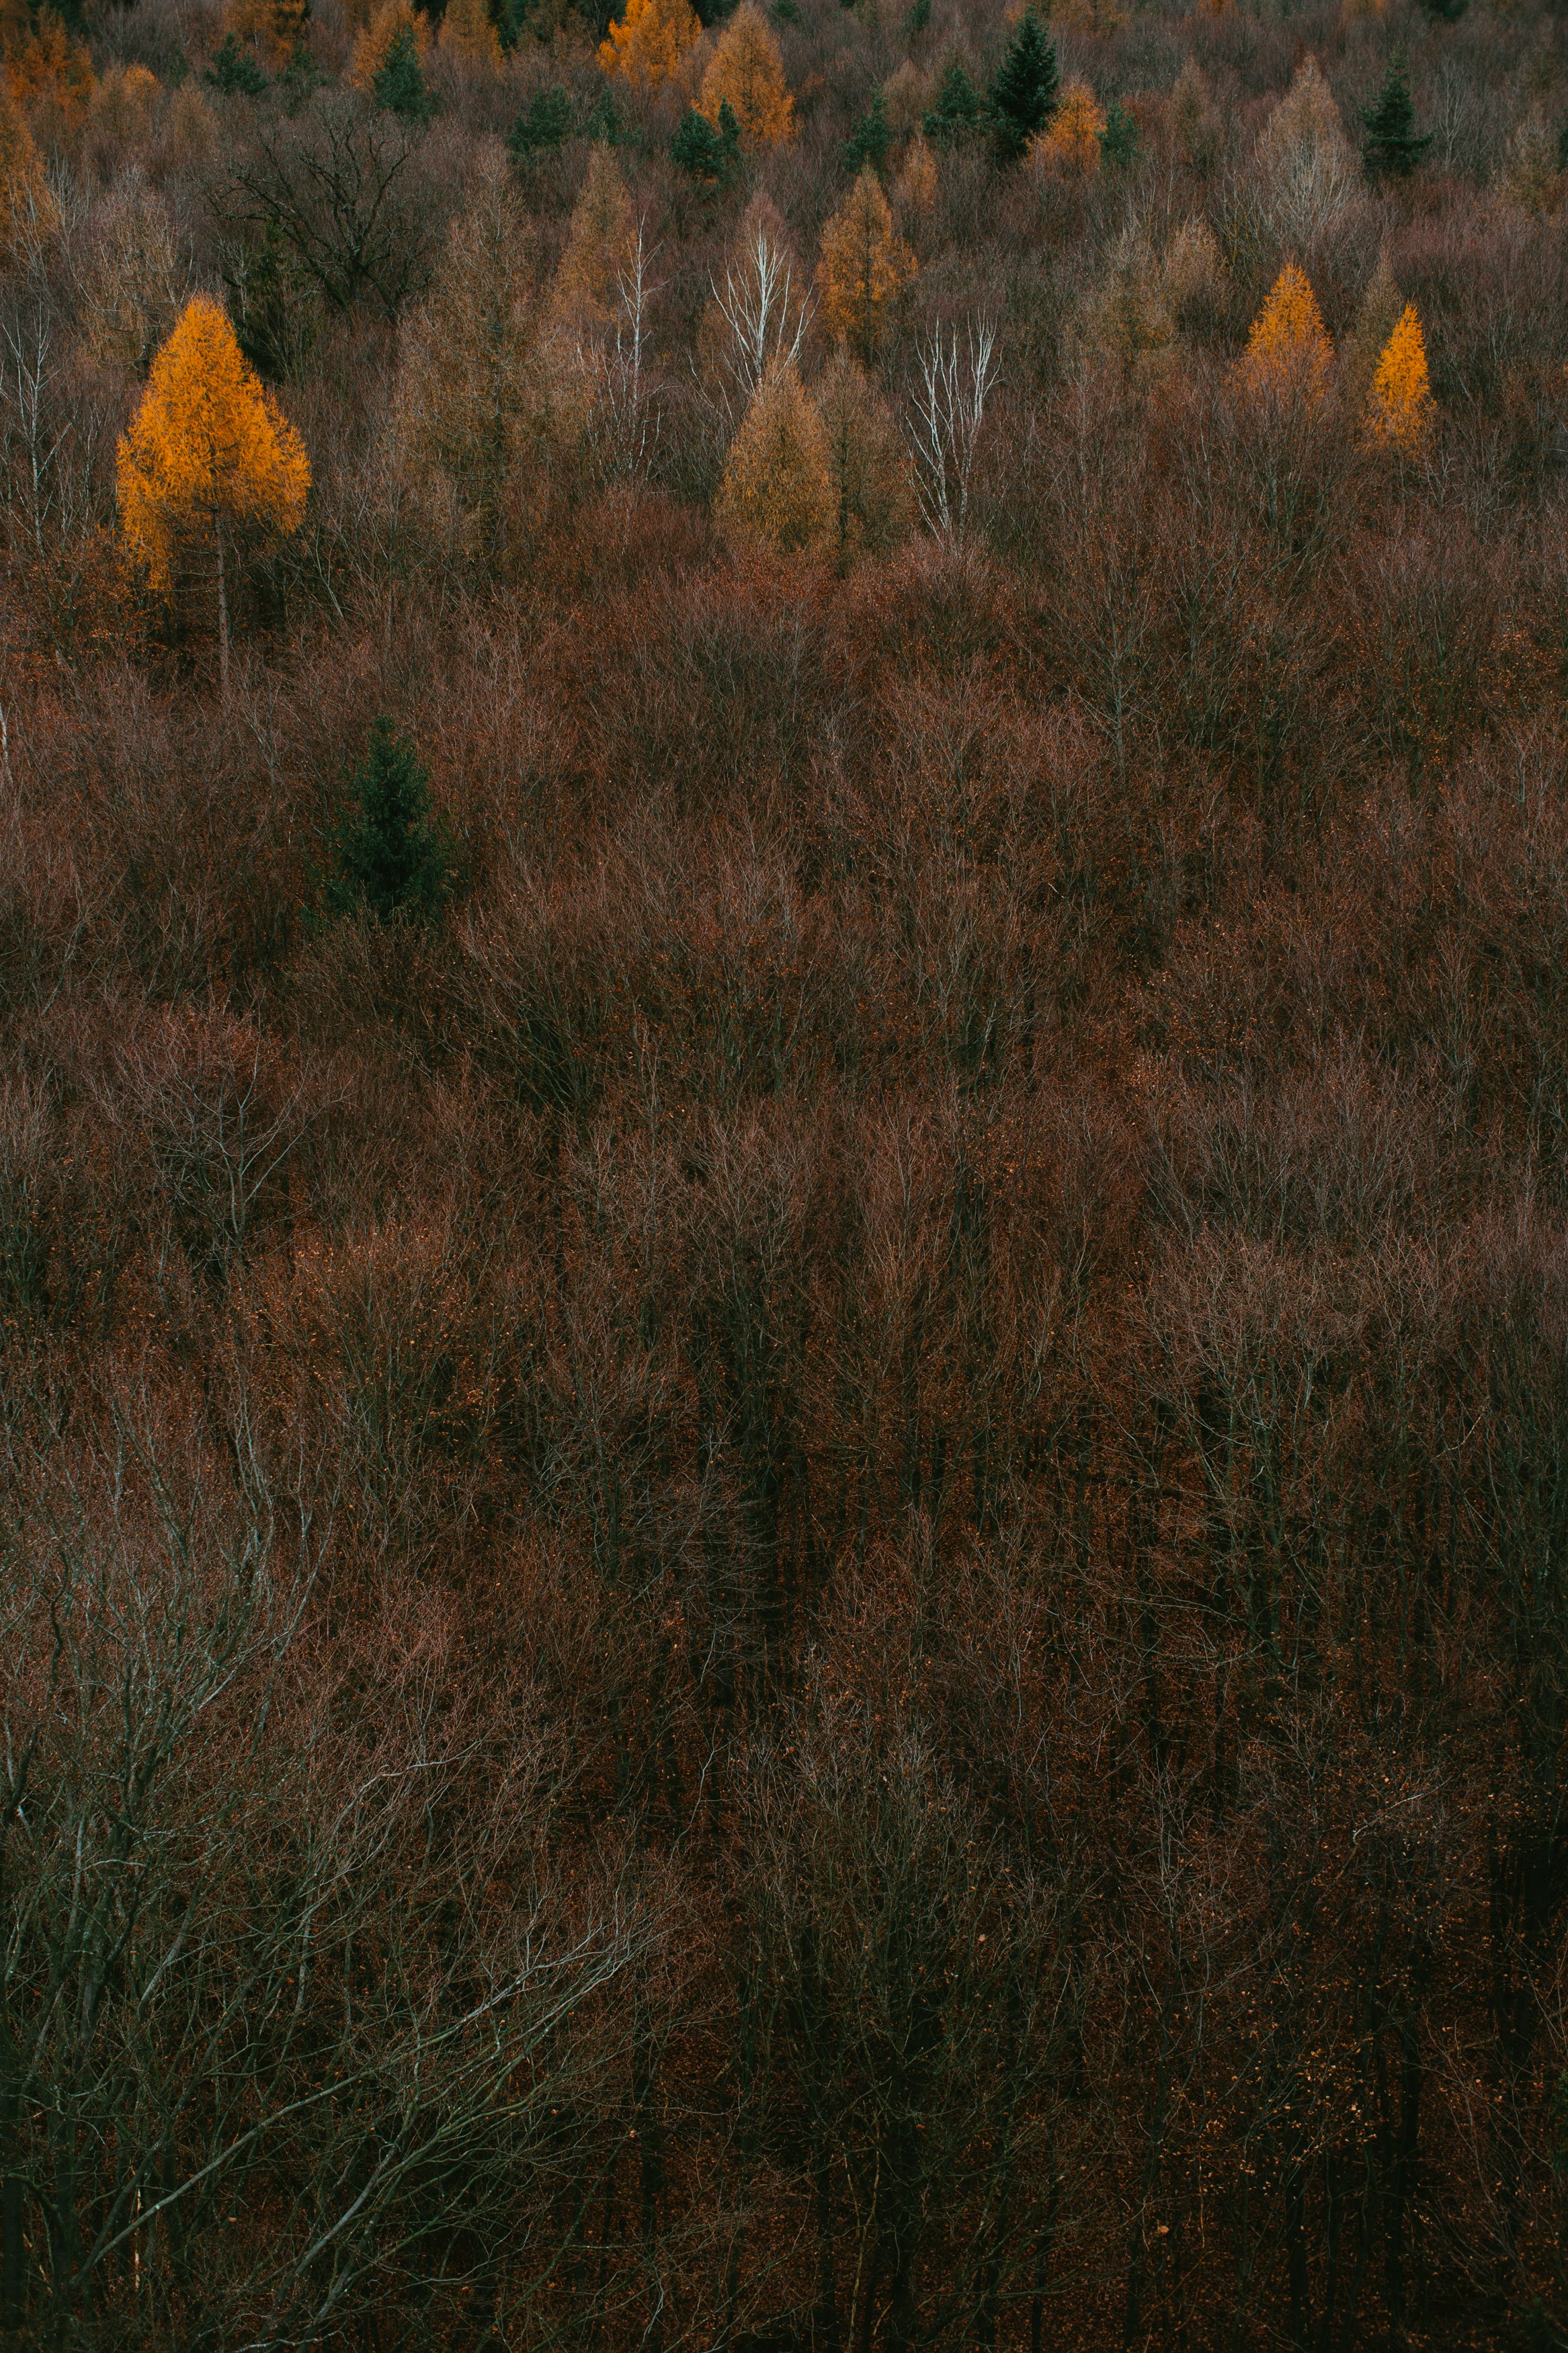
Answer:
[(601, 240), (1069, 145), (864, 267), (778, 488), (746, 73), (468, 37), (28, 212), (648, 46), (50, 75), (275, 27)]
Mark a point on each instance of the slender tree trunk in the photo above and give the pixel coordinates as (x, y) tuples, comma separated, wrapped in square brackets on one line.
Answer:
[(10, 2218), (222, 620)]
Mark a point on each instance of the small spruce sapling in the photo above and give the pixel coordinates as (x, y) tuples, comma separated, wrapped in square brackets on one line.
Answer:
[(1025, 92), (543, 127), (870, 140), (1393, 147), (705, 154), (391, 855), (605, 125), (956, 113), (400, 86), (1121, 138), (235, 70)]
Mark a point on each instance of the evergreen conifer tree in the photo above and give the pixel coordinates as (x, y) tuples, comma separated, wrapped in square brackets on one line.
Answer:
[(400, 86), (709, 154), (604, 126), (956, 112), (544, 125), (1393, 148), (1121, 138), (918, 18), (871, 138), (234, 69), (390, 853), (1023, 97)]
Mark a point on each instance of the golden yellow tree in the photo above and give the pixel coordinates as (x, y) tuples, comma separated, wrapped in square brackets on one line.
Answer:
[(373, 45), (600, 243), (865, 263), (469, 39), (1400, 414), (27, 210), (778, 481), (1069, 145), (746, 70), (1289, 354), (210, 460), (651, 42)]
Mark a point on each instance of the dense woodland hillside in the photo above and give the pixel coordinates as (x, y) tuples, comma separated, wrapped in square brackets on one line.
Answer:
[(783, 1216)]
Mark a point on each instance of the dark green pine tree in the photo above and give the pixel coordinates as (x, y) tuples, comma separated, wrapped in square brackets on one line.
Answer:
[(1393, 148), (918, 18), (870, 140), (1121, 138), (709, 155), (544, 125), (400, 86), (392, 854), (1025, 93), (602, 125), (957, 111), (234, 69)]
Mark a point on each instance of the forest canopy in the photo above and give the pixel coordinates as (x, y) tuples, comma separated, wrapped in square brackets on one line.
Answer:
[(784, 1176)]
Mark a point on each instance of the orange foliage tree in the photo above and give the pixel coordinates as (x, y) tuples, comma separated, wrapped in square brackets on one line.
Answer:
[(48, 71), (747, 71), (651, 42), (27, 210), (864, 265), (1399, 411), (209, 457), (600, 243), (1070, 141), (1289, 354), (778, 481)]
